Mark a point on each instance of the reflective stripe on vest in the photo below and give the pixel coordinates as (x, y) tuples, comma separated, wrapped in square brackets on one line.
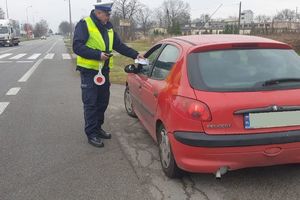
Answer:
[(96, 41)]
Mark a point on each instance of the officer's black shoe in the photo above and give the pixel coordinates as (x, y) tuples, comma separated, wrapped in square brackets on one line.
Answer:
[(96, 141), (103, 134)]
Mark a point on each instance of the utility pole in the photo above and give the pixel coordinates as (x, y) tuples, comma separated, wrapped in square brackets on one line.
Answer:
[(27, 13), (27, 25), (240, 13), (168, 14), (71, 24), (7, 10)]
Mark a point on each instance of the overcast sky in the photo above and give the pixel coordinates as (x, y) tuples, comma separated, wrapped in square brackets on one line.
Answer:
[(55, 11)]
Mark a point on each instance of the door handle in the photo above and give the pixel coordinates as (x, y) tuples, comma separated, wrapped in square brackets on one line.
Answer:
[(140, 86), (155, 94)]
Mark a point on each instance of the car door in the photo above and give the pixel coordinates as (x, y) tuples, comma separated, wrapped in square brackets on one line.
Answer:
[(135, 81), (154, 84)]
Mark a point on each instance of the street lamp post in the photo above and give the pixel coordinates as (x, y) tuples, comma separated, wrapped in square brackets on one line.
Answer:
[(70, 16), (27, 13), (7, 10), (70, 19), (27, 25)]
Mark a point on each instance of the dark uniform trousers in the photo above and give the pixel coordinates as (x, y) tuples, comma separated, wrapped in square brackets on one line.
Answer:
[(95, 100)]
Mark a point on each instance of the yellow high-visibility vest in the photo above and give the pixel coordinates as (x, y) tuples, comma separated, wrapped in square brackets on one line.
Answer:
[(96, 42)]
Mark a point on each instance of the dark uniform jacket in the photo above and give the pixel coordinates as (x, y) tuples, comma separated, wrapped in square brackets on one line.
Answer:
[(81, 36)]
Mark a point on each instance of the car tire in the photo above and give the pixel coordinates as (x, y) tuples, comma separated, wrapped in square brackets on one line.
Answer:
[(167, 160), (128, 103)]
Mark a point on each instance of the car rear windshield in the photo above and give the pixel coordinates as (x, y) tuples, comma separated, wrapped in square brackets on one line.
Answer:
[(3, 30), (244, 70)]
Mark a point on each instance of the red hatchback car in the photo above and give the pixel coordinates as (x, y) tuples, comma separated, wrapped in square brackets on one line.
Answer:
[(217, 103)]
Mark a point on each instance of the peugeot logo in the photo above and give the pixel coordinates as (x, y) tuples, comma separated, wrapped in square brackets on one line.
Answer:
[(275, 108)]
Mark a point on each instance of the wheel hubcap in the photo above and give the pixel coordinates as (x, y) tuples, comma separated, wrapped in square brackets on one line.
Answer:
[(128, 102), (165, 151)]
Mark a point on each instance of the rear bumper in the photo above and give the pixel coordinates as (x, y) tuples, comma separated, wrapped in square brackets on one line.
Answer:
[(204, 140), (202, 153)]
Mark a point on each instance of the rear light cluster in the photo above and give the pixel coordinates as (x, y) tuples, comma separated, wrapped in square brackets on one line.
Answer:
[(191, 108)]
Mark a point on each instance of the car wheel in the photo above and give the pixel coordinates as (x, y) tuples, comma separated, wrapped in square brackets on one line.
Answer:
[(128, 103), (167, 160)]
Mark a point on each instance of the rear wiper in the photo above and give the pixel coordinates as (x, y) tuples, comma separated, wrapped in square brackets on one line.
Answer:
[(280, 80)]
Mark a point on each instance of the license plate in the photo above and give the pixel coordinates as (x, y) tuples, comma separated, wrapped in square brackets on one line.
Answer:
[(272, 119)]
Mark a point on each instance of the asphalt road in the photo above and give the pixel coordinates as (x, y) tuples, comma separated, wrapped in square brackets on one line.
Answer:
[(44, 153)]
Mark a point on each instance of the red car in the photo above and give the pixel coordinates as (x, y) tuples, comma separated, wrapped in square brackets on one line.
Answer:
[(217, 103)]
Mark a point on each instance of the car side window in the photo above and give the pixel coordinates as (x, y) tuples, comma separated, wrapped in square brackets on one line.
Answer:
[(151, 56), (165, 62)]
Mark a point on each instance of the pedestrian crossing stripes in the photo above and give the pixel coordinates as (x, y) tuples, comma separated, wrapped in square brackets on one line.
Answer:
[(66, 56), (34, 56), (13, 91), (49, 56), (5, 55), (3, 106), (18, 56), (24, 57)]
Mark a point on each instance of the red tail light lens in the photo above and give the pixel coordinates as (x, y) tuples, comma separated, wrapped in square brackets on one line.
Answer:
[(191, 108)]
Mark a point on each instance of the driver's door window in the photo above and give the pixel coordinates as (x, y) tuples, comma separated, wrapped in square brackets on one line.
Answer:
[(165, 62), (151, 56)]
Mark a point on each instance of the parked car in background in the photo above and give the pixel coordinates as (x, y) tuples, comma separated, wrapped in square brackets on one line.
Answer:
[(43, 37), (217, 103)]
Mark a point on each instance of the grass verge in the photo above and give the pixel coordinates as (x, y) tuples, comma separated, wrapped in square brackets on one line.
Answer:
[(117, 75)]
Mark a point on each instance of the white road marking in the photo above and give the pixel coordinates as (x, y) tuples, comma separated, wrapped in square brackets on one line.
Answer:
[(18, 56), (49, 56), (27, 75), (3, 106), (8, 50), (51, 48), (25, 61), (6, 61), (5, 55), (66, 56), (13, 91), (34, 56)]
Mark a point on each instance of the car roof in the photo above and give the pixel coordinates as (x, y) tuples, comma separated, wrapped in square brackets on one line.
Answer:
[(207, 40)]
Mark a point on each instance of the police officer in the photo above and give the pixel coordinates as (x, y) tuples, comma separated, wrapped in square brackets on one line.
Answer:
[(94, 40)]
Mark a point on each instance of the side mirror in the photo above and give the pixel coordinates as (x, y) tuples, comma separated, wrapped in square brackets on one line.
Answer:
[(131, 69)]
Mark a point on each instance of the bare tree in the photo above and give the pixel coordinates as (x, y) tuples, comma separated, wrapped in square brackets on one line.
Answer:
[(159, 17), (285, 15), (27, 27), (204, 18), (177, 11), (126, 9), (144, 16), (2, 14), (263, 19), (41, 28), (64, 27)]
